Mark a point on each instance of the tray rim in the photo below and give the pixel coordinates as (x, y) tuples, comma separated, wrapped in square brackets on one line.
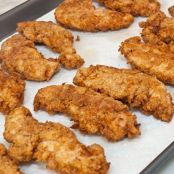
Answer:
[(21, 12), (29, 10)]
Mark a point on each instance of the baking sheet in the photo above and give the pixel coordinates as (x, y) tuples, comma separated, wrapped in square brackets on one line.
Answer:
[(127, 156)]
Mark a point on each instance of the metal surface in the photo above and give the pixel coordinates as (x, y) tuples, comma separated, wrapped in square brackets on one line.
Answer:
[(33, 9), (29, 10), (158, 162)]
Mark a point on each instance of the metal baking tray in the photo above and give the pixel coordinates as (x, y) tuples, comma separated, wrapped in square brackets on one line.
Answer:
[(33, 9)]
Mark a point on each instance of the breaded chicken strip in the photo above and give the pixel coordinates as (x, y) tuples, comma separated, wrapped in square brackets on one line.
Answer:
[(55, 37), (149, 58), (159, 30), (133, 87), (19, 56), (11, 92), (82, 15), (7, 165), (92, 112), (51, 143), (135, 7)]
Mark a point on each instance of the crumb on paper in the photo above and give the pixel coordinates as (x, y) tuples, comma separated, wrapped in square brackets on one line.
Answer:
[(171, 10), (78, 38)]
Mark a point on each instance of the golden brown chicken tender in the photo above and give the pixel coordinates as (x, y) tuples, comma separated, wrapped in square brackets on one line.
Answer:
[(19, 56), (7, 165), (159, 30), (82, 15), (149, 58), (11, 92), (135, 7), (55, 37), (92, 112), (51, 143), (133, 87)]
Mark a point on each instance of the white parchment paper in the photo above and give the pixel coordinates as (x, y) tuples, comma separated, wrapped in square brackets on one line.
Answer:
[(127, 156)]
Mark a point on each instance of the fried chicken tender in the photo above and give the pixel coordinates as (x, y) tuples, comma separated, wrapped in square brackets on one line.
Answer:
[(7, 165), (131, 86), (82, 15), (159, 30), (55, 37), (92, 112), (20, 56), (51, 143), (11, 92), (149, 58), (135, 7)]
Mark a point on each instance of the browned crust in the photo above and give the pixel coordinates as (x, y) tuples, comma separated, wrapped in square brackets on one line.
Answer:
[(55, 37), (11, 92), (82, 15), (135, 7), (155, 60), (131, 86), (7, 165), (92, 112), (159, 30), (51, 143), (20, 56)]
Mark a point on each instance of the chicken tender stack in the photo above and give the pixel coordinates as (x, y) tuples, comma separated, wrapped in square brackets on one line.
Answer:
[(92, 112), (51, 143), (133, 87)]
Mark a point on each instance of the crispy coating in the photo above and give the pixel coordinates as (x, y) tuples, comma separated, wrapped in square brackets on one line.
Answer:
[(19, 56), (159, 30), (92, 112), (7, 165), (82, 15), (133, 87), (149, 58), (55, 37), (171, 10), (11, 92), (135, 7), (51, 143)]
